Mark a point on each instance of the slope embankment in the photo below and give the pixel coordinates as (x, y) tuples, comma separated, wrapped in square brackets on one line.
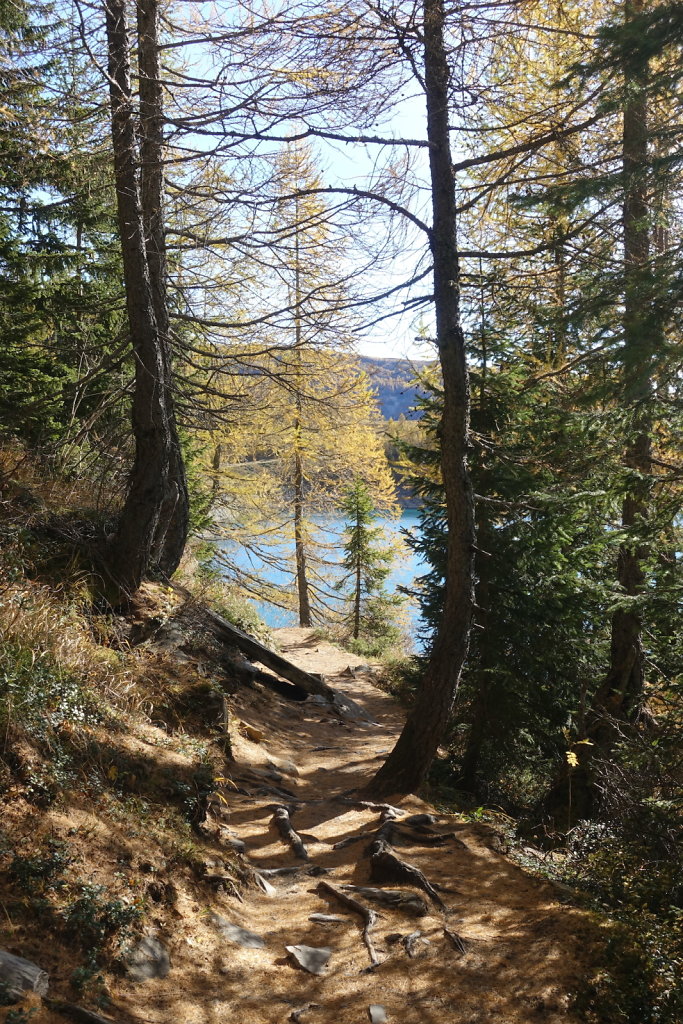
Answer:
[(246, 915)]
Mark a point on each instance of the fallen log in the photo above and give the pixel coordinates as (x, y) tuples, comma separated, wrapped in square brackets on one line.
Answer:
[(225, 631), (284, 827), (369, 916), (18, 976)]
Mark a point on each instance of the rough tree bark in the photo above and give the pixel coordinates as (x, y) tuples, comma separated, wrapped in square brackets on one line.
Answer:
[(302, 589), (171, 536), (622, 688), (153, 485), (618, 699), (407, 765)]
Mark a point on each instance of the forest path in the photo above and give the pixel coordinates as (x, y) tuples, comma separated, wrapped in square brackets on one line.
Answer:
[(525, 952)]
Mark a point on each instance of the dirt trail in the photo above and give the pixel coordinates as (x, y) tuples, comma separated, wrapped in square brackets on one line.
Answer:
[(524, 951)]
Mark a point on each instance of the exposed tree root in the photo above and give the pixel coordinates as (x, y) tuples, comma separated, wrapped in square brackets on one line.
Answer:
[(369, 916), (409, 942), (284, 827), (349, 841), (387, 811), (75, 1013), (385, 866), (423, 838), (296, 1015), (395, 834), (396, 899), (458, 943)]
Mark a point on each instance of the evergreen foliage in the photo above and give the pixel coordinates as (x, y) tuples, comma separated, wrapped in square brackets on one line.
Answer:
[(564, 287), (368, 561), (60, 318)]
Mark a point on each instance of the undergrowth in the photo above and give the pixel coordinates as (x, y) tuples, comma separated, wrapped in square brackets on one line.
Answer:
[(57, 679), (108, 754), (627, 868), (632, 870), (86, 914)]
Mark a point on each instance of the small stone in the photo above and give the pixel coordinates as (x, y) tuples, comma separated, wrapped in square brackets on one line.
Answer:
[(264, 884), (377, 1014), (237, 844), (255, 735), (148, 959), (234, 933), (313, 959), (287, 767)]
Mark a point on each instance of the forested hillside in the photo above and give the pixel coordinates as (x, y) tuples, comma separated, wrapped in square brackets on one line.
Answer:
[(208, 212), (395, 382)]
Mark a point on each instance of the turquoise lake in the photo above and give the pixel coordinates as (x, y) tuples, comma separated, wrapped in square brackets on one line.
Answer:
[(276, 565)]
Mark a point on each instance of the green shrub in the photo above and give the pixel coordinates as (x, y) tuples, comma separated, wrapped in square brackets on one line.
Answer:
[(93, 918), (633, 870), (42, 871)]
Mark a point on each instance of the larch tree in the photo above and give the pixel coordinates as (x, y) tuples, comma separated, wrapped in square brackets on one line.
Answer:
[(309, 419), (407, 765), (153, 523)]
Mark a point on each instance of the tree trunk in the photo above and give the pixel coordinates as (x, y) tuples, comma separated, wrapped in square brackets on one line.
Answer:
[(216, 471), (152, 480), (410, 760), (299, 490), (484, 715), (358, 581), (574, 795), (622, 689), (171, 537), (299, 539)]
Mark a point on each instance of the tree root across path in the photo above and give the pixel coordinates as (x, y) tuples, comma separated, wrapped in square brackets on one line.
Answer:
[(385, 866), (369, 916), (284, 826), (395, 899)]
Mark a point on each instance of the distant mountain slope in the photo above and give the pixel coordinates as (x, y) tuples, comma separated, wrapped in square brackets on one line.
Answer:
[(393, 379)]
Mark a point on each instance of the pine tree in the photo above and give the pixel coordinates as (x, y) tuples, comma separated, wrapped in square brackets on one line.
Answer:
[(368, 560), (63, 368)]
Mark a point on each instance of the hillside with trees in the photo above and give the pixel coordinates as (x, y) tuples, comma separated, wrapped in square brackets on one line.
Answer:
[(207, 212)]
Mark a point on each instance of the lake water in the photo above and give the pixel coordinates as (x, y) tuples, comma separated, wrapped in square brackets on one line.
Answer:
[(275, 565)]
